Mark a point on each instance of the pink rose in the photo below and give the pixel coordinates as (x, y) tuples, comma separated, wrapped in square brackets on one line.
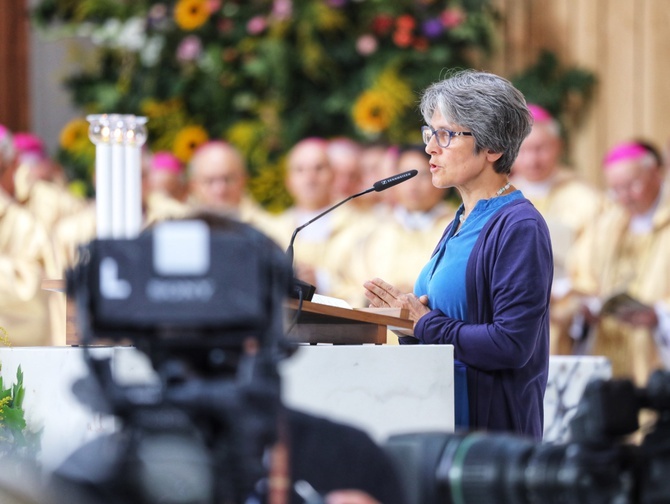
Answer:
[(213, 5), (452, 18), (282, 9), (256, 25), (366, 45), (189, 48)]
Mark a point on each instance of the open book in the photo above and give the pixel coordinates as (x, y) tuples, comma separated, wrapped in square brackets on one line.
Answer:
[(330, 301), (392, 312)]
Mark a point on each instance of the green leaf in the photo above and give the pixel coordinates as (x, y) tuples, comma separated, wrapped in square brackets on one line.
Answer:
[(17, 390), (13, 419)]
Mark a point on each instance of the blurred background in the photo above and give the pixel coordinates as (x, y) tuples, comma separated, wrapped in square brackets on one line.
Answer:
[(263, 74)]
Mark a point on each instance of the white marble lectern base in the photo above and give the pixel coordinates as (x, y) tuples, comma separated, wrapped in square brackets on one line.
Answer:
[(381, 389)]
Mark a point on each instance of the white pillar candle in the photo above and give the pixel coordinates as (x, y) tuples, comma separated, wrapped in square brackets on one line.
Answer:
[(118, 139), (118, 184), (103, 193), (136, 135), (100, 134), (133, 196)]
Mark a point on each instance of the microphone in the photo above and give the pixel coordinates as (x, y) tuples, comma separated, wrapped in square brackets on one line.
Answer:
[(386, 183), (308, 290)]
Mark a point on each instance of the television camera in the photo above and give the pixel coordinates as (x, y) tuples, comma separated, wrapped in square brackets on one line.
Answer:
[(203, 299), (600, 463)]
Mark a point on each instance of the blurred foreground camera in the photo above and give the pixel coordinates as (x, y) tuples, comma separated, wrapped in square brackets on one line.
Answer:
[(204, 283), (191, 295), (596, 466)]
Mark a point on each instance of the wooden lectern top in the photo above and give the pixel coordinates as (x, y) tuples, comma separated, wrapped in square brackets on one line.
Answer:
[(316, 323)]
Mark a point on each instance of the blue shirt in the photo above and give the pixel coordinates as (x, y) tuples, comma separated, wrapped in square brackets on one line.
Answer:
[(447, 266), (505, 344)]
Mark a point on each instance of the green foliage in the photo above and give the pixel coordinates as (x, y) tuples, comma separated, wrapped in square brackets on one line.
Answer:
[(564, 92), (15, 438), (264, 74)]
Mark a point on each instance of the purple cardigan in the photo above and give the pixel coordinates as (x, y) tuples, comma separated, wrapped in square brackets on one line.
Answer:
[(506, 345)]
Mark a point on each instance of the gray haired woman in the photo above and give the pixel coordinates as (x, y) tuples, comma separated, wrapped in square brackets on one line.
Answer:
[(486, 289)]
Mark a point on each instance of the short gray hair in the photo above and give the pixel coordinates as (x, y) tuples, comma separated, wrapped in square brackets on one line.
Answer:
[(487, 105)]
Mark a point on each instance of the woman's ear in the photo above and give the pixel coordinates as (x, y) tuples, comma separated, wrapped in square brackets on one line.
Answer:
[(492, 157)]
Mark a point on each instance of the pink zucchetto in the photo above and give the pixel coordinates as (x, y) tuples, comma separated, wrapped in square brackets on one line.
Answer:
[(624, 152), (166, 161), (27, 143), (539, 114)]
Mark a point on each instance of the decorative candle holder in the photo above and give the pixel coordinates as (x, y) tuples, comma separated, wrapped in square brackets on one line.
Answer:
[(118, 140)]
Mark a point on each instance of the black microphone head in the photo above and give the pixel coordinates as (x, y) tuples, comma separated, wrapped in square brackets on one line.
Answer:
[(386, 183)]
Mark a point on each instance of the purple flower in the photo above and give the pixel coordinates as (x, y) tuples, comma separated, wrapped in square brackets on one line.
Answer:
[(157, 12), (432, 28), (336, 4), (189, 48)]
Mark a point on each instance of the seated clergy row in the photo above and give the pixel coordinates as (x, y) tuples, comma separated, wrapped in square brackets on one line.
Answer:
[(604, 242)]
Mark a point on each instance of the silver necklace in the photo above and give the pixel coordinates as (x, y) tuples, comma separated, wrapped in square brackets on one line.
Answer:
[(462, 217), (503, 189)]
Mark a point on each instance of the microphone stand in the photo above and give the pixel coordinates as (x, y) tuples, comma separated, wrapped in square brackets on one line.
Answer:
[(303, 290)]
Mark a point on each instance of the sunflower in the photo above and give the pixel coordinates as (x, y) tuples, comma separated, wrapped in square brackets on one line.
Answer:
[(191, 14), (371, 112), (187, 140), (73, 134)]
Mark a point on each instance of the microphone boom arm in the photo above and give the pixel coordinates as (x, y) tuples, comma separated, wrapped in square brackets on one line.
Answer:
[(289, 250), (378, 186)]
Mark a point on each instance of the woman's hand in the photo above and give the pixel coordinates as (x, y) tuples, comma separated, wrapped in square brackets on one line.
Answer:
[(382, 295)]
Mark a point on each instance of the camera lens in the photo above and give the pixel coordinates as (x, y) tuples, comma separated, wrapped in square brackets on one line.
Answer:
[(480, 468), (477, 468)]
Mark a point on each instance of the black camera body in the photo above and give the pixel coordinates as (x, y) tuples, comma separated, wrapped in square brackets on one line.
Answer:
[(598, 465), (203, 298), (181, 280)]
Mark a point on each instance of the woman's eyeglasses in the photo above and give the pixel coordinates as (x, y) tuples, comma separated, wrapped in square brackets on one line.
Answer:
[(442, 135)]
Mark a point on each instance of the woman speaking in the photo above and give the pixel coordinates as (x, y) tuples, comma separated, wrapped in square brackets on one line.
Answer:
[(487, 285)]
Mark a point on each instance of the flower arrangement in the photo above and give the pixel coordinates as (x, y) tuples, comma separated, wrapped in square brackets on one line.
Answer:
[(263, 74), (15, 437)]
